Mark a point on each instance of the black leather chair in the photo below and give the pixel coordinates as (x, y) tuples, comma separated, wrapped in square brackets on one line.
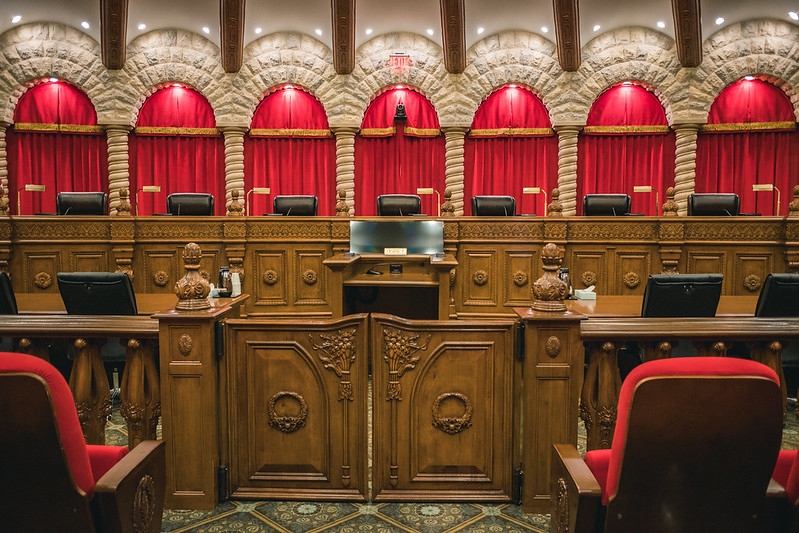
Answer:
[(81, 203), (603, 205), (185, 203), (295, 205), (682, 295), (97, 293), (398, 205), (493, 206), (8, 302), (779, 296), (714, 204)]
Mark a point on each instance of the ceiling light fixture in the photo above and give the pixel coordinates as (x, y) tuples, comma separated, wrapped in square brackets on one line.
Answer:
[(258, 31), (749, 78), (596, 27), (430, 31), (661, 24), (544, 29), (719, 21), (142, 26), (512, 86), (206, 29), (791, 14), (318, 31), (480, 30), (368, 31), (289, 86), (399, 87), (85, 25), (626, 83), (15, 19), (53, 80)]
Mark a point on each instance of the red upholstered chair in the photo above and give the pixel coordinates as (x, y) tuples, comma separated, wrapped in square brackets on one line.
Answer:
[(695, 445), (50, 480), (785, 496)]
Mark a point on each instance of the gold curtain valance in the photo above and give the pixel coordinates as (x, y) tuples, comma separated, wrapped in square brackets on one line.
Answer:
[(748, 126), (511, 132), (288, 132), (615, 130), (152, 130), (38, 127)]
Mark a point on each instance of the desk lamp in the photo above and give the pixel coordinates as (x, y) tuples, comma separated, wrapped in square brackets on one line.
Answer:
[(430, 190), (757, 187), (649, 188), (537, 190), (30, 187), (145, 188), (256, 190)]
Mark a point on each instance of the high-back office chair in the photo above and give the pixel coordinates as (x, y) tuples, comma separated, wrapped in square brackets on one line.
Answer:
[(8, 302), (714, 204), (398, 204), (50, 480), (682, 295), (695, 445), (779, 296), (493, 206), (97, 293), (81, 203), (606, 205), (295, 205), (185, 203)]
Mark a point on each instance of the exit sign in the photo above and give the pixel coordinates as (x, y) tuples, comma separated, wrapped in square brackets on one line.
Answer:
[(399, 61)]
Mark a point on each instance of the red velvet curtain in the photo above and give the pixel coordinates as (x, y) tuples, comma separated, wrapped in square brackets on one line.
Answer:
[(398, 158), (626, 143), (751, 138), (510, 146), (55, 142), (176, 146), (290, 150)]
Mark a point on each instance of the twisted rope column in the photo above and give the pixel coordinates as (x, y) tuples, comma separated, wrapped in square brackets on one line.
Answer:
[(684, 164), (234, 163), (345, 162), (567, 167), (116, 136), (3, 171), (453, 165)]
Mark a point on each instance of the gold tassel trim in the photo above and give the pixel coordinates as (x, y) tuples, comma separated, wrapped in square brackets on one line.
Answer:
[(37, 127), (421, 132), (288, 132), (384, 132), (378, 132), (149, 130), (510, 132), (747, 126), (626, 129)]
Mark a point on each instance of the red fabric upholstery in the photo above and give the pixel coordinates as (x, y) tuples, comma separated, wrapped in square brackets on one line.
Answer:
[(65, 413), (380, 113), (786, 473), (102, 458), (683, 366), (598, 461)]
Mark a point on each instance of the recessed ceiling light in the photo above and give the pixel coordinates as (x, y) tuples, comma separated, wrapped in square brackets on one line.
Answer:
[(791, 14), (142, 26), (318, 31), (53, 80), (206, 29), (368, 31), (480, 30), (429, 31), (544, 29), (719, 21), (288, 86), (85, 25), (626, 83), (258, 31), (399, 87), (596, 27), (661, 24), (512, 86), (749, 78), (15, 19), (177, 85)]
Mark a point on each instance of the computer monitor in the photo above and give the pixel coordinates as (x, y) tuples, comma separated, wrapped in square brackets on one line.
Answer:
[(682, 295), (415, 236), (97, 293), (779, 296)]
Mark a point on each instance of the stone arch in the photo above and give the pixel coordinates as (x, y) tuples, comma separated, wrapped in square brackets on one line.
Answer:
[(764, 48), (509, 57), (38, 50), (634, 53), (282, 58)]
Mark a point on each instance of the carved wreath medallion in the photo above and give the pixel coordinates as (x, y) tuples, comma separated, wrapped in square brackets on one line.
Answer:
[(185, 344), (309, 277), (520, 278), (752, 282), (588, 278), (287, 423), (161, 278), (452, 424), (144, 504), (632, 279), (42, 280), (480, 277), (270, 277), (552, 346)]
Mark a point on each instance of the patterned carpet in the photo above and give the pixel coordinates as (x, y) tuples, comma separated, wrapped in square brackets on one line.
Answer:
[(312, 517)]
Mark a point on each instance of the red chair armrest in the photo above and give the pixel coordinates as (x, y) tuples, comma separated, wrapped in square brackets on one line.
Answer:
[(102, 458)]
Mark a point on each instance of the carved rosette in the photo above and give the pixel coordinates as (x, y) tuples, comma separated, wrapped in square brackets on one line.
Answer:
[(631, 279), (339, 354), (452, 424), (588, 278), (309, 277), (399, 348), (520, 278), (549, 291), (144, 504), (270, 277), (192, 290), (287, 423), (552, 346), (480, 277), (752, 282), (160, 278), (185, 344), (42, 280)]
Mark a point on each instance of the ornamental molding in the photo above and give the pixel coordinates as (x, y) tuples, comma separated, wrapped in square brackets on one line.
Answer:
[(184, 232), (733, 232), (752, 282), (185, 344), (672, 232), (270, 277), (638, 230), (588, 278), (520, 278), (42, 280), (59, 230), (289, 231), (480, 277), (160, 278), (340, 231), (309, 277), (501, 230)]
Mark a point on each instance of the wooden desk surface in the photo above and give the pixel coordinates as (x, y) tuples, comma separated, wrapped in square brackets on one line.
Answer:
[(624, 306), (147, 304)]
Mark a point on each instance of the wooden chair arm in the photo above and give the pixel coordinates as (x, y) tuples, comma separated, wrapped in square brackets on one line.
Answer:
[(130, 496), (575, 493)]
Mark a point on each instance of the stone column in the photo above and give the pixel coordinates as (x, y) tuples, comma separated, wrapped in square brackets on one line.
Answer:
[(684, 164), (567, 167), (3, 170), (116, 136), (453, 164), (234, 162), (345, 162)]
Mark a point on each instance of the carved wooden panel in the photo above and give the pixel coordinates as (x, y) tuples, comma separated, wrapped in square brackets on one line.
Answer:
[(478, 277), (521, 271), (39, 272), (589, 267), (89, 261), (297, 398), (707, 262), (160, 271), (442, 409), (270, 286), (631, 272), (310, 278), (750, 271)]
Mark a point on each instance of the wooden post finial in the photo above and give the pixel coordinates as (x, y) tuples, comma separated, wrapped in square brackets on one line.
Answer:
[(342, 209), (123, 207), (235, 209), (670, 206), (192, 289), (793, 207), (555, 208), (549, 290), (447, 209)]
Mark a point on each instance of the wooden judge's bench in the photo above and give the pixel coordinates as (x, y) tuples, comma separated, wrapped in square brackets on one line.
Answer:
[(266, 396)]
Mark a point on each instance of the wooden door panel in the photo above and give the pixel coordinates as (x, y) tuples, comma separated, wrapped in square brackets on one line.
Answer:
[(590, 268), (750, 272), (160, 271), (520, 274), (40, 271), (270, 278), (310, 280), (632, 270), (89, 261)]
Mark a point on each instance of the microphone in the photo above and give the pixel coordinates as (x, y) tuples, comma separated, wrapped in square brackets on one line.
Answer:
[(728, 213), (288, 212), (613, 210), (505, 209), (178, 213), (68, 210)]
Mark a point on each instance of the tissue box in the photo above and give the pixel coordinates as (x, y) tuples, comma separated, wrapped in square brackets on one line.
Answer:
[(582, 294)]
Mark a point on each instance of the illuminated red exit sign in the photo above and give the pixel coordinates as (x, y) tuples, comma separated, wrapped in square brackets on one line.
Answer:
[(399, 61)]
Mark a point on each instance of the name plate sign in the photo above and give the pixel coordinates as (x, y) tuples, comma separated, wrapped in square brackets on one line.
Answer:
[(395, 251)]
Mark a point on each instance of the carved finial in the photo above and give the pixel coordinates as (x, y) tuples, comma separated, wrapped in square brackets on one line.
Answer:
[(793, 207), (555, 209), (447, 210), (3, 203), (342, 209), (670, 206), (549, 290), (235, 209), (192, 289), (123, 207)]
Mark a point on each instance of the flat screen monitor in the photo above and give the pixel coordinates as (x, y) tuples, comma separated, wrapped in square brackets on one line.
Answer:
[(779, 296), (682, 295), (424, 237)]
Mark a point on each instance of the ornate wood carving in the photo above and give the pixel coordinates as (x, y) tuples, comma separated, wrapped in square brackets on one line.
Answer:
[(287, 423), (160, 278), (342, 209), (752, 282), (453, 35), (555, 208), (614, 231), (270, 277), (447, 208), (670, 207), (89, 385), (123, 207), (632, 279), (140, 392), (501, 230), (480, 277), (340, 347), (343, 35), (552, 346), (732, 232), (399, 348), (549, 291), (235, 209), (309, 277), (113, 32), (452, 424), (561, 515), (793, 207), (588, 278), (520, 278), (600, 394), (192, 290), (231, 21), (185, 344), (144, 504), (42, 280), (567, 33), (688, 31)]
